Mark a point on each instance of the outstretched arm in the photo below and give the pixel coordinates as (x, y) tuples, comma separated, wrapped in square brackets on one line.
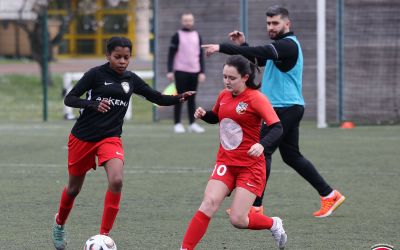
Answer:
[(158, 98), (282, 49), (266, 52), (154, 96)]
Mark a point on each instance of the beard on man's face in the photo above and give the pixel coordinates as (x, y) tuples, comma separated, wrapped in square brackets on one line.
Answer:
[(274, 35)]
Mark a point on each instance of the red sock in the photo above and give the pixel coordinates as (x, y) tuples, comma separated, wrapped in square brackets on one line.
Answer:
[(259, 221), (66, 204), (197, 228), (111, 208)]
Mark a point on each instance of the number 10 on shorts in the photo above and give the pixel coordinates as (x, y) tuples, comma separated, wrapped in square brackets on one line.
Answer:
[(221, 170)]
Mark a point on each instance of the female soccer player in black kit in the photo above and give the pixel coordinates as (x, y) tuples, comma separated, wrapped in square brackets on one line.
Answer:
[(97, 131)]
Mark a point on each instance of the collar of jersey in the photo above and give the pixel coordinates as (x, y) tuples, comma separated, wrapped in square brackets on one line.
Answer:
[(112, 72), (235, 96), (290, 33)]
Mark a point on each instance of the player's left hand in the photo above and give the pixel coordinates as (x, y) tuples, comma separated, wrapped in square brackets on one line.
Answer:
[(104, 106), (184, 96), (210, 48), (256, 150), (199, 113), (237, 37)]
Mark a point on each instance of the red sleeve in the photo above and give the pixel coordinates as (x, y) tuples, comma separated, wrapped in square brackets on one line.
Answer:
[(262, 105)]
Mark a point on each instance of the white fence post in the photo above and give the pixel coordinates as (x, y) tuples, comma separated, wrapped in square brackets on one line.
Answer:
[(321, 64)]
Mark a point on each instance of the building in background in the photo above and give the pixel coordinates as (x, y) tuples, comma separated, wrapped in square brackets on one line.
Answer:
[(93, 23), (14, 40)]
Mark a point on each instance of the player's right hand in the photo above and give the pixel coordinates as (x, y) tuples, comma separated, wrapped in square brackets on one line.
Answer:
[(256, 150), (103, 106), (185, 95), (237, 37), (199, 113), (210, 48)]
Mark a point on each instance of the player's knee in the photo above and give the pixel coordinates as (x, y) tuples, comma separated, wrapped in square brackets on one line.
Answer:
[(209, 205), (73, 191), (238, 220), (116, 183)]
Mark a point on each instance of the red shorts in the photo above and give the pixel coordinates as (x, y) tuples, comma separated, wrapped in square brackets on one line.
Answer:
[(251, 178), (82, 154)]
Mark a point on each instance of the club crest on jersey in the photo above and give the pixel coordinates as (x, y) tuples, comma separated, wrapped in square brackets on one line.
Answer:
[(241, 108), (125, 87)]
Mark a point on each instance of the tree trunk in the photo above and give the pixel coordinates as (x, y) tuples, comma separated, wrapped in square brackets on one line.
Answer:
[(35, 34), (37, 47)]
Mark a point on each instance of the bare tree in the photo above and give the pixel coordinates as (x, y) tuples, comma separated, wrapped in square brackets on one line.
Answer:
[(35, 30)]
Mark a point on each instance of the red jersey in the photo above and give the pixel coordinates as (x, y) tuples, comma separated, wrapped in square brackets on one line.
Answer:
[(239, 125)]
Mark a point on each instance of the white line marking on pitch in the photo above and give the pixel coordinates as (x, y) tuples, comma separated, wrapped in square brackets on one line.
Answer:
[(170, 169)]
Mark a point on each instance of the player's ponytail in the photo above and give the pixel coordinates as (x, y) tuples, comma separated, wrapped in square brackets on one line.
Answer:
[(245, 67), (252, 77)]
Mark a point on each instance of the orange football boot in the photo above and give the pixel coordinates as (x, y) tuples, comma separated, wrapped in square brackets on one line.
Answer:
[(328, 205)]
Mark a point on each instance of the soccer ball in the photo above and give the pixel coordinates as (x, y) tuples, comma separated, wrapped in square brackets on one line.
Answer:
[(100, 242)]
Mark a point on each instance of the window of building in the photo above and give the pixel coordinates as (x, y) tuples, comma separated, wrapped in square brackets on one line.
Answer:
[(94, 22)]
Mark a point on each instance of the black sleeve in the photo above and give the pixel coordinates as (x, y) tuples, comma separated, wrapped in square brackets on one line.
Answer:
[(272, 137), (202, 69), (280, 50), (261, 62), (83, 85), (261, 53), (152, 95), (173, 48), (210, 117)]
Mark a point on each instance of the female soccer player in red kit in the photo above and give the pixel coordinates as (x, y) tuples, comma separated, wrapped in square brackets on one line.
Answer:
[(98, 129), (239, 110)]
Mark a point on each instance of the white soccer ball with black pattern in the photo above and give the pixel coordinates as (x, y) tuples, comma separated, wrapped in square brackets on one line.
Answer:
[(100, 242)]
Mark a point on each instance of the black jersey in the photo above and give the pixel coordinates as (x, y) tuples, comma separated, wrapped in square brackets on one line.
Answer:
[(104, 83)]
